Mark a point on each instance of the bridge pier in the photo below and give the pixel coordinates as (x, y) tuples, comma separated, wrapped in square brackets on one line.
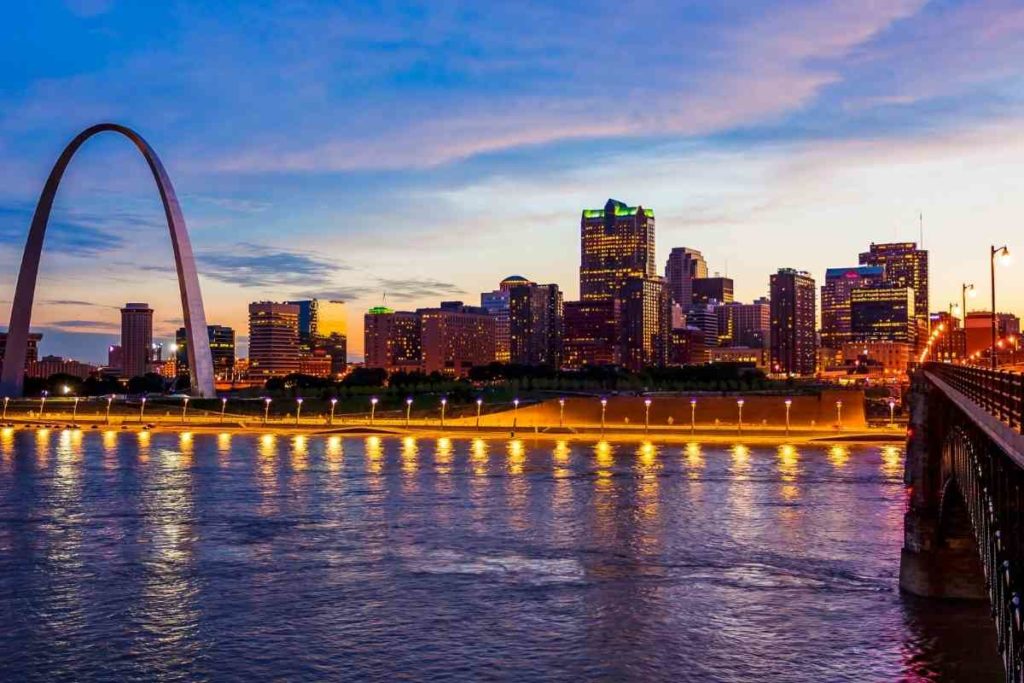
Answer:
[(940, 557)]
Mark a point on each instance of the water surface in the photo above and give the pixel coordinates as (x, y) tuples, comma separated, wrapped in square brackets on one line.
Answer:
[(175, 557)]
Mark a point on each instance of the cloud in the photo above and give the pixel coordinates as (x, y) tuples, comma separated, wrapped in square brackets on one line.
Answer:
[(73, 302), (74, 235), (91, 325), (256, 266), (412, 289)]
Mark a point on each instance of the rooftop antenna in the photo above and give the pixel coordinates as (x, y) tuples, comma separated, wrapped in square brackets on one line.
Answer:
[(920, 224)]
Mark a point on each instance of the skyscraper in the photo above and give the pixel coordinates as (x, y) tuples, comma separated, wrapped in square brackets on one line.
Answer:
[(222, 350), (745, 324), (392, 340), (273, 339), (835, 300), (645, 326), (883, 314), (323, 330), (591, 333), (617, 243), (455, 338), (136, 339), (535, 324), (496, 303), (683, 266), (709, 289), (793, 307), (905, 266)]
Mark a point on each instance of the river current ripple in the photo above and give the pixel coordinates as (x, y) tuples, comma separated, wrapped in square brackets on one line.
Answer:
[(169, 557)]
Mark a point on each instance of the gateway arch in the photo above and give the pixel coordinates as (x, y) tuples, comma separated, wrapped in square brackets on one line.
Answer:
[(200, 362)]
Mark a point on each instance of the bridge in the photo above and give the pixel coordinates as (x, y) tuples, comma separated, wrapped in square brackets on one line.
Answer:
[(965, 495)]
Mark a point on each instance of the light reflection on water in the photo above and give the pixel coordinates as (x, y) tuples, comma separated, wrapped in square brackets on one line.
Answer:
[(228, 556)]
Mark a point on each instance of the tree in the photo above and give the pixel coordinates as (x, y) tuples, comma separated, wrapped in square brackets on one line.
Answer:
[(150, 383), (366, 377)]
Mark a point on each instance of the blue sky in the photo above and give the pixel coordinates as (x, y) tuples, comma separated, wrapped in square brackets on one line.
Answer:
[(426, 150)]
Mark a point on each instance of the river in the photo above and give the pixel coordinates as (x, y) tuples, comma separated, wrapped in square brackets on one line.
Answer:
[(164, 557)]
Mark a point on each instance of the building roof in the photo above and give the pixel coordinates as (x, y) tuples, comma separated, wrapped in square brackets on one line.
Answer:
[(380, 310), (619, 208)]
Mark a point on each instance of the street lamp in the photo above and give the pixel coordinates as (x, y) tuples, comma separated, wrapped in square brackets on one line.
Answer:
[(892, 412), (66, 389), (266, 410), (515, 413), (647, 414), (42, 403), (604, 405), (561, 412), (739, 406), (444, 404), (110, 399), (964, 288), (74, 411), (298, 410), (223, 407), (789, 404), (184, 411), (142, 409), (334, 404), (6, 401), (479, 405), (408, 409), (693, 416), (839, 414), (1004, 258), (373, 409)]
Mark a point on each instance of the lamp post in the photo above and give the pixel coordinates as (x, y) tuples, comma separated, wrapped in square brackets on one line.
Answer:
[(334, 404), (223, 408), (1004, 255), (74, 411), (408, 409), (892, 412), (693, 416), (964, 288), (479, 405), (142, 409), (110, 399), (604, 405), (839, 415), (444, 404), (647, 414), (515, 413), (561, 412), (373, 409), (42, 403), (266, 410), (789, 404), (298, 410), (6, 401), (184, 411), (739, 423)]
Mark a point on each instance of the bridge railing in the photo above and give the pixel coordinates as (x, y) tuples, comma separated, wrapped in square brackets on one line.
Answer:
[(999, 392)]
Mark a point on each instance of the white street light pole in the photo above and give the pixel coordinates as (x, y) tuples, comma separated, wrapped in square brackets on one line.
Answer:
[(334, 404), (373, 409), (693, 416), (479, 404), (266, 410), (561, 412), (789, 403), (647, 414), (298, 410), (739, 406)]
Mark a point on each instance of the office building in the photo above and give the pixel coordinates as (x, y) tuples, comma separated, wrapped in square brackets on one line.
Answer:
[(136, 339), (705, 318), (883, 314), (645, 320), (708, 290), (31, 352), (617, 243), (684, 265), (392, 340), (835, 300), (905, 266), (47, 366), (535, 324), (222, 351), (273, 339), (687, 347), (793, 311), (591, 331), (496, 303), (745, 325), (455, 338), (323, 326)]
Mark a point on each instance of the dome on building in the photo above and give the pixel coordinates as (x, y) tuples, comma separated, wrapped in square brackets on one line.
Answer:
[(515, 280)]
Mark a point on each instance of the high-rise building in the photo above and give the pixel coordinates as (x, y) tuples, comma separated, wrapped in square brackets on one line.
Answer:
[(705, 318), (905, 266), (883, 314), (835, 300), (591, 330), (455, 338), (617, 243), (273, 339), (684, 265), (793, 341), (646, 317), (687, 347), (747, 325), (535, 324), (323, 327), (496, 303), (392, 340), (136, 339), (222, 350), (32, 351), (712, 289)]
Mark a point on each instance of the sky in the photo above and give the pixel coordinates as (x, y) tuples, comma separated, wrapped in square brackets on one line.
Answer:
[(424, 151)]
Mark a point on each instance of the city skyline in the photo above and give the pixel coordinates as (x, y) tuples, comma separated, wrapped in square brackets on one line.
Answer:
[(846, 140)]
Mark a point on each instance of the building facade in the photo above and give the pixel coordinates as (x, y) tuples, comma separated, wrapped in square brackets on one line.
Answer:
[(617, 243), (684, 265), (745, 325), (708, 290), (136, 339), (273, 339), (535, 324), (455, 338), (835, 300), (591, 332), (31, 352), (793, 311), (222, 350), (392, 340), (905, 266), (883, 314), (645, 321)]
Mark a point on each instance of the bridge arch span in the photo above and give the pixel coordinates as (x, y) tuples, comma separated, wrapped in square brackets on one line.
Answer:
[(200, 361)]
